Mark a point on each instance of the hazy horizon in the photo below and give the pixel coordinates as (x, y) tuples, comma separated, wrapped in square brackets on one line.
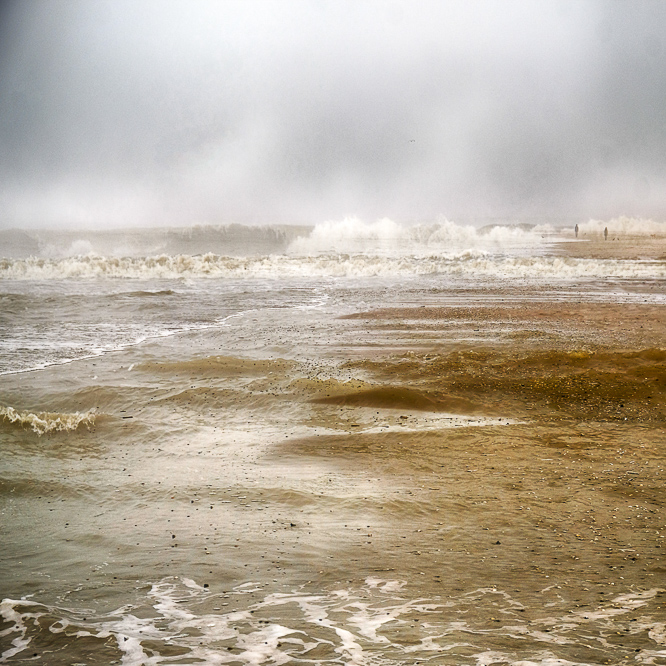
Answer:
[(124, 114)]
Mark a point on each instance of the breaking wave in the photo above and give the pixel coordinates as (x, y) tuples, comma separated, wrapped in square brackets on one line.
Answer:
[(385, 236), (468, 263), (347, 248), (43, 422), (349, 235)]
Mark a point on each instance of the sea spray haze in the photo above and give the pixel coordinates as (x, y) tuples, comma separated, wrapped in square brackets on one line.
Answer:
[(53, 297), (130, 113), (429, 429), (364, 443)]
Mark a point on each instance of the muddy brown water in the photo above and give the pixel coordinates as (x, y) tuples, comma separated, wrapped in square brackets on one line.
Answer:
[(446, 484)]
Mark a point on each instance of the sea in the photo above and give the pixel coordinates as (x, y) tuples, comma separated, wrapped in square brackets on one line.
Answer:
[(217, 450)]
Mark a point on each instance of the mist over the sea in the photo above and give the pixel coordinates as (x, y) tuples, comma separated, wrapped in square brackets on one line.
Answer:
[(332, 332), (122, 113)]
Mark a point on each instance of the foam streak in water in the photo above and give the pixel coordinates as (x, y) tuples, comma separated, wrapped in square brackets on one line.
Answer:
[(367, 627)]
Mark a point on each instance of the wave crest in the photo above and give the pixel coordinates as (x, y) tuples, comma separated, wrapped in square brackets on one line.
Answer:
[(467, 263), (387, 237), (43, 422)]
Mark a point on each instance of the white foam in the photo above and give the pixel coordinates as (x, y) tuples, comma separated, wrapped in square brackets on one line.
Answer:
[(467, 263), (10, 614), (622, 604), (349, 622), (657, 632), (386, 237), (546, 659), (43, 422), (426, 421)]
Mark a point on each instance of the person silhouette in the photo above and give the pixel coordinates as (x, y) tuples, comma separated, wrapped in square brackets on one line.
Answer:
[(576, 230), (605, 233)]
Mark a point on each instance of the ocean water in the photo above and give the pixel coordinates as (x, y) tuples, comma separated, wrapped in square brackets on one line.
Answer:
[(349, 443)]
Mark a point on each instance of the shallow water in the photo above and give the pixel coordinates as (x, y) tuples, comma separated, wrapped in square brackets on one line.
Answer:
[(408, 466)]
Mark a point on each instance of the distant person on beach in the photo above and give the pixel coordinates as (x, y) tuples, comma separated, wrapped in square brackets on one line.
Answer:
[(576, 230), (605, 233)]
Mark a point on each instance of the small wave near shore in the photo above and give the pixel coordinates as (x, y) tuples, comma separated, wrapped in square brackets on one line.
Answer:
[(46, 422)]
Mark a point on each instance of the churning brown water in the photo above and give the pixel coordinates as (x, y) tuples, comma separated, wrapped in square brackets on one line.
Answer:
[(360, 463)]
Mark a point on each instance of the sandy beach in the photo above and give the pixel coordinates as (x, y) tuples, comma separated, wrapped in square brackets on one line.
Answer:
[(618, 246)]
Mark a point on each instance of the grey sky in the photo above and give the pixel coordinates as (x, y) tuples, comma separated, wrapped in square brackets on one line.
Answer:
[(128, 112)]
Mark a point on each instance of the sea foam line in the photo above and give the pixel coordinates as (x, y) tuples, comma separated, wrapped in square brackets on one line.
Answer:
[(353, 626), (468, 264)]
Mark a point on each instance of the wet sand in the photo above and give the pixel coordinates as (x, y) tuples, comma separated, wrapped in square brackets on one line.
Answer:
[(616, 247)]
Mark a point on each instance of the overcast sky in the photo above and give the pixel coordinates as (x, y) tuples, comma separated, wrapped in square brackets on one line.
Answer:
[(132, 112)]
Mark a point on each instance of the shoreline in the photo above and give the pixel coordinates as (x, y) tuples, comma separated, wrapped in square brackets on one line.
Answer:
[(308, 456), (621, 247)]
